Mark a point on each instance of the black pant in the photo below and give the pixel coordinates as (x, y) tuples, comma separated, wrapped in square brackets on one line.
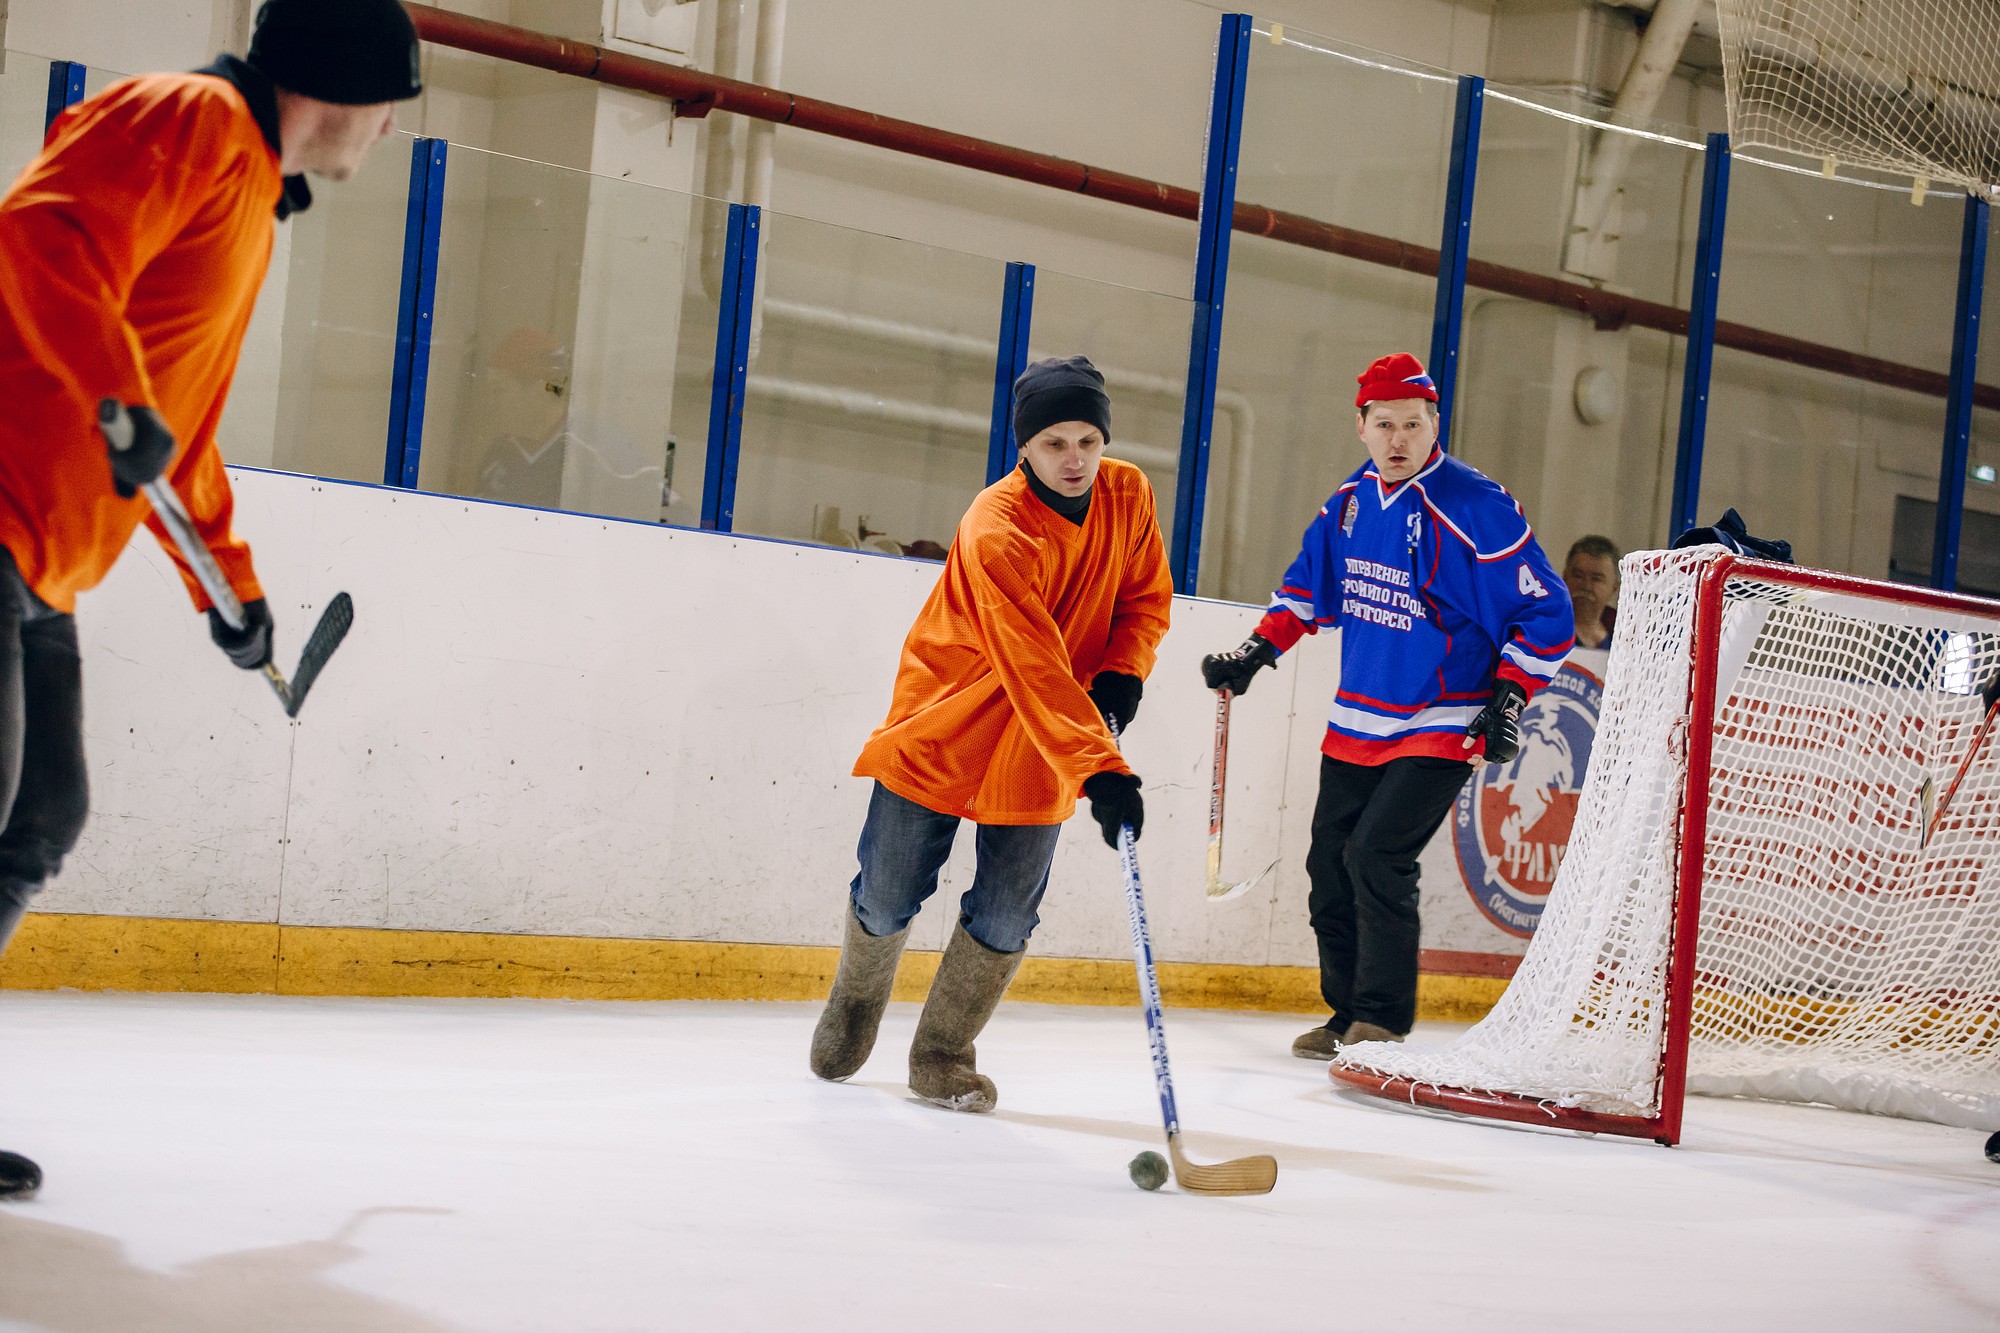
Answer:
[(1369, 826), (44, 786)]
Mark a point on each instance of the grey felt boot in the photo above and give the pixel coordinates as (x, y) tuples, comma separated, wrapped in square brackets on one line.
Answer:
[(970, 982), (1359, 1032), (846, 1031)]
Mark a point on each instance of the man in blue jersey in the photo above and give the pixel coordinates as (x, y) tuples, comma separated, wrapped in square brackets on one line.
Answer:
[(1451, 618)]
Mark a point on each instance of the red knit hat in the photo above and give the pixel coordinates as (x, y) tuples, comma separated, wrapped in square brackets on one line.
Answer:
[(1397, 375)]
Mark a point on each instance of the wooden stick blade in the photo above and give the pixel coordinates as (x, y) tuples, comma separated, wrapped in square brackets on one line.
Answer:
[(1243, 1175), (1221, 892)]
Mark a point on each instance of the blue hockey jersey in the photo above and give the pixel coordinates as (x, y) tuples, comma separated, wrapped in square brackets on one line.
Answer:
[(1438, 588)]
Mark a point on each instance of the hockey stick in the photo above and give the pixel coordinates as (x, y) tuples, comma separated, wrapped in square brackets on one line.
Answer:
[(334, 622), (1244, 1175), (1990, 696), (1217, 890)]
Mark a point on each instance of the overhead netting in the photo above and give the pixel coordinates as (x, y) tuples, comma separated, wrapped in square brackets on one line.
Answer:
[(1842, 956), (1907, 86)]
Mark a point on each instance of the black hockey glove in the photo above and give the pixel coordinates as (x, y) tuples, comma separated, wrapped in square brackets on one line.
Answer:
[(1117, 696), (1232, 671), (148, 446), (249, 647), (1114, 800), (1499, 723)]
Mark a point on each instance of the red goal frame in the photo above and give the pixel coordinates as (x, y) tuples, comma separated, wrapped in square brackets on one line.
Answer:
[(1664, 1125)]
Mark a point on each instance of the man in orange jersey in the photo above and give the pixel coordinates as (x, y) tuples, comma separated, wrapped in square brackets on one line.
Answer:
[(131, 252), (1055, 578)]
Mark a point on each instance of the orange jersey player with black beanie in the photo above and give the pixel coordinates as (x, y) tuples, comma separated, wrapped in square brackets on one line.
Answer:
[(1042, 629), (131, 253)]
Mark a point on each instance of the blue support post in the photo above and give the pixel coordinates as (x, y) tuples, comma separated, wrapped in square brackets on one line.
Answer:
[(1958, 399), (1017, 317), (423, 225), (1448, 321), (1700, 360), (65, 89), (1211, 277), (732, 366)]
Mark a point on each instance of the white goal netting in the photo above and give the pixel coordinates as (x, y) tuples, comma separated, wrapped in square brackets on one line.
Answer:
[(1842, 956), (1909, 86)]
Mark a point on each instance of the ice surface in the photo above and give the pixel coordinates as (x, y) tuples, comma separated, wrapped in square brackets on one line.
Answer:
[(224, 1164)]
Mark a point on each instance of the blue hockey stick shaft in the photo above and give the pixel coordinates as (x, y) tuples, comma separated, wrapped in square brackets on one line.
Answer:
[(1149, 983), (1142, 955), (1256, 1174)]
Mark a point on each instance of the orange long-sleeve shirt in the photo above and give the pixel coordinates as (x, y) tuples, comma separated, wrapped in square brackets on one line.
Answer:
[(131, 252), (991, 718)]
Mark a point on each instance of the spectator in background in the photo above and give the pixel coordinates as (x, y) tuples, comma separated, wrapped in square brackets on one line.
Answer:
[(525, 402), (1591, 571)]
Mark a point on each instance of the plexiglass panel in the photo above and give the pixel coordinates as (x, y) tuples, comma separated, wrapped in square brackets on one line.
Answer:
[(700, 309), (573, 339), (558, 336), (339, 341), (1982, 484), (1139, 340), (1577, 416), (1807, 455), (1345, 137), (870, 389), (24, 100)]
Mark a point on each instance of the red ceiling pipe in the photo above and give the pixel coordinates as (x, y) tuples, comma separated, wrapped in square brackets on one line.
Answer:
[(695, 94)]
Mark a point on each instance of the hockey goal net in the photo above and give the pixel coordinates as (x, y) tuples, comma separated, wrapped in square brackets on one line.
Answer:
[(1754, 901), (1910, 87)]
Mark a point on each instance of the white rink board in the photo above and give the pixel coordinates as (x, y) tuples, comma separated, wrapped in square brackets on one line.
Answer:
[(555, 724), (1452, 918)]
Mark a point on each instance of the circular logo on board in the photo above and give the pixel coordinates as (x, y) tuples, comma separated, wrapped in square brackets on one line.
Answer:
[(1510, 826)]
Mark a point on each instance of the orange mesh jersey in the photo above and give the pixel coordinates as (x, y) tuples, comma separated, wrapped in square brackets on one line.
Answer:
[(991, 719), (131, 252)]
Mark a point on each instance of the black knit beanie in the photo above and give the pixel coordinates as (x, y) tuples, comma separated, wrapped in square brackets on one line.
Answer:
[(1056, 390), (349, 52)]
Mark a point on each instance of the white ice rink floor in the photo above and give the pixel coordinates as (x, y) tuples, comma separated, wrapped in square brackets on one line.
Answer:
[(222, 1164)]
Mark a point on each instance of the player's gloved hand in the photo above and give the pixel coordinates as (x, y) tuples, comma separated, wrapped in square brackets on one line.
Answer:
[(147, 451), (249, 647), (1117, 697), (1499, 723), (1232, 671), (1114, 800)]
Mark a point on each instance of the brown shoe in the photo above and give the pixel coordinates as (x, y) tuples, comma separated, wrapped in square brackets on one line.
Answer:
[(971, 978), (1360, 1032), (1322, 1043), (846, 1031)]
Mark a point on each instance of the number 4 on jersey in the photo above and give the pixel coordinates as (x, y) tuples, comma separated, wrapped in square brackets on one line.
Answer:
[(1530, 585)]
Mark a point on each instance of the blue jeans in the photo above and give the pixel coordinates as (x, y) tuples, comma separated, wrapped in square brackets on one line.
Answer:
[(904, 845)]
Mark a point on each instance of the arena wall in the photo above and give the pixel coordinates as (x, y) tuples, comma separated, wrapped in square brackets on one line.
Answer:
[(568, 755)]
